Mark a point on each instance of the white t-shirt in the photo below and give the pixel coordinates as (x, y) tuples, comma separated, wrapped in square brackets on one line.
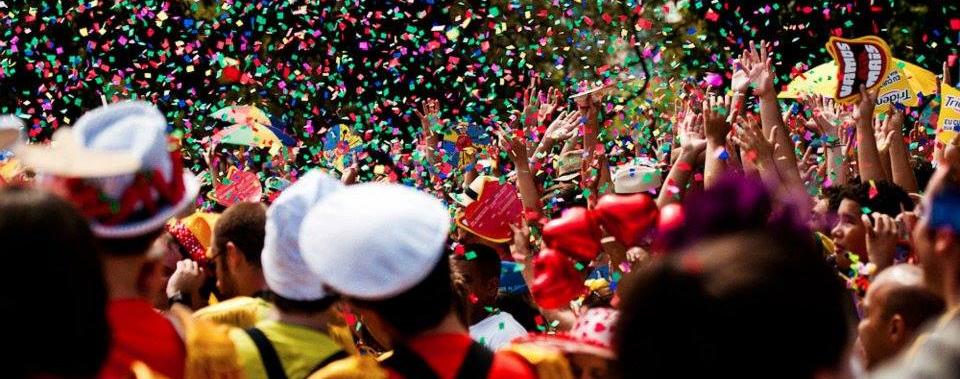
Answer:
[(497, 330)]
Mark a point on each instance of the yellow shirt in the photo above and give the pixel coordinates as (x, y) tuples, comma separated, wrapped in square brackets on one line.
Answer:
[(300, 348), (242, 312)]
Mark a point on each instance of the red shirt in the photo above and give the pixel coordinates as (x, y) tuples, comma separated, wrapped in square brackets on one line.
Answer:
[(445, 353), (142, 334)]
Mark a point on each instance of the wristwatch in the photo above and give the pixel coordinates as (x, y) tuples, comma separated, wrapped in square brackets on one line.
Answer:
[(180, 297)]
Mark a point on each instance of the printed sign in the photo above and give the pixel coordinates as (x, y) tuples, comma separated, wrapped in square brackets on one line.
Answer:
[(496, 208), (860, 61), (949, 123), (339, 144), (895, 90), (243, 186)]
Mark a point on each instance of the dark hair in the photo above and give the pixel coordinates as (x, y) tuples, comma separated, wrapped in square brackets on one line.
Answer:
[(744, 305), (303, 306), (486, 259), (54, 305), (420, 308), (922, 170), (734, 204), (888, 199), (520, 306), (244, 224), (915, 304)]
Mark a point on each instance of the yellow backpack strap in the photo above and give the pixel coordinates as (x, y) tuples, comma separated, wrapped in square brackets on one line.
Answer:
[(353, 367), (210, 351), (549, 363)]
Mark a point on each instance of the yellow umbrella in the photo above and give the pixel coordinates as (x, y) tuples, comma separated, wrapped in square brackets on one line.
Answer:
[(902, 84)]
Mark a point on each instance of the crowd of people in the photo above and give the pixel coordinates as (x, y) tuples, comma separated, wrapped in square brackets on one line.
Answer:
[(746, 240)]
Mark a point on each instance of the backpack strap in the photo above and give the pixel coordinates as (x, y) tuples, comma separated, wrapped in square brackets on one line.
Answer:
[(477, 363), (340, 354), (268, 355), (408, 364)]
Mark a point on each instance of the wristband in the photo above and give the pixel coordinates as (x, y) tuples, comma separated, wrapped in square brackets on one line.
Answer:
[(180, 297)]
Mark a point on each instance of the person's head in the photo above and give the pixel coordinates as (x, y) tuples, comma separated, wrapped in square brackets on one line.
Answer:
[(895, 307), (740, 305), (849, 233), (476, 275), (296, 289), (416, 310), (936, 235), (55, 290), (117, 168), (384, 247), (237, 244), (587, 346)]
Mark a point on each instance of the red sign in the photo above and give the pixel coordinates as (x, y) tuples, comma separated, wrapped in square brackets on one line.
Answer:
[(244, 186), (497, 207)]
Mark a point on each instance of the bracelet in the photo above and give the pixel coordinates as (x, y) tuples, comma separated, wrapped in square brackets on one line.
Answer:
[(180, 297)]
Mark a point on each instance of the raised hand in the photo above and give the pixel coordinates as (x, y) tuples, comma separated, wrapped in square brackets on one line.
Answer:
[(715, 126), (868, 102), (758, 66), (826, 114), (531, 104), (564, 126), (882, 236), (692, 138), (749, 137), (548, 107), (515, 147), (430, 120), (740, 81)]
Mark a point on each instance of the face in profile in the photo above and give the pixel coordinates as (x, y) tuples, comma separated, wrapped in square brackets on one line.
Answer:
[(849, 233)]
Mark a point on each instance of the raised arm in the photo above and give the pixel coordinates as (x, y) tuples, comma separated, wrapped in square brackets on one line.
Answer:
[(868, 156), (692, 144), (516, 149), (715, 129), (760, 69), (900, 167), (432, 129)]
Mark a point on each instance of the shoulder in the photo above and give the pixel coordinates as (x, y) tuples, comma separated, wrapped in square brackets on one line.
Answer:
[(510, 322), (242, 312)]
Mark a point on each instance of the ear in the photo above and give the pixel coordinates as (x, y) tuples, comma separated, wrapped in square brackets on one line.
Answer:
[(234, 256), (897, 330), (943, 241), (493, 285)]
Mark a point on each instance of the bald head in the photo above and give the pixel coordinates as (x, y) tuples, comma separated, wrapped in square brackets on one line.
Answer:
[(901, 291), (897, 304)]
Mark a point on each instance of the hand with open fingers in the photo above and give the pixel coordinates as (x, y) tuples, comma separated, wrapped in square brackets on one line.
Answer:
[(760, 67), (188, 278), (565, 126), (881, 134), (692, 138), (825, 114), (531, 104), (740, 81), (715, 125), (430, 121), (514, 146), (882, 236), (551, 104), (749, 137)]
